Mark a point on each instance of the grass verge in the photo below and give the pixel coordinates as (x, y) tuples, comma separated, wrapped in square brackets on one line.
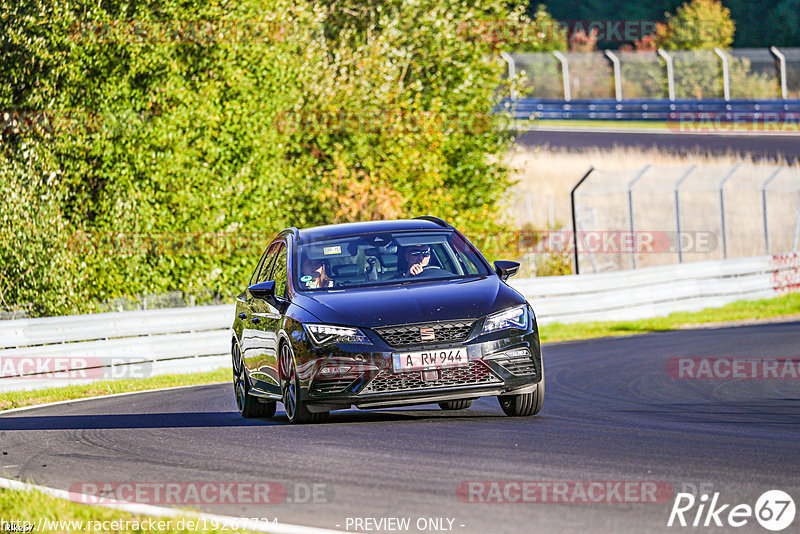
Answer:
[(41, 510), (783, 306), (16, 399)]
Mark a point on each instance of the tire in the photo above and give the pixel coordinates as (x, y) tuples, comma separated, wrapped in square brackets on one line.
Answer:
[(293, 404), (523, 405), (455, 405), (249, 407)]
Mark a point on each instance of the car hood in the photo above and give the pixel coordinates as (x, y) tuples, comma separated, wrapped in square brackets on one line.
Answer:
[(413, 303)]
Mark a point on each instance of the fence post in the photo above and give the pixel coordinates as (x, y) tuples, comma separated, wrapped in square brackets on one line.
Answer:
[(564, 74), (726, 79), (512, 73), (670, 73), (574, 219), (678, 211), (630, 210), (782, 70), (764, 207), (722, 209), (617, 74), (796, 227)]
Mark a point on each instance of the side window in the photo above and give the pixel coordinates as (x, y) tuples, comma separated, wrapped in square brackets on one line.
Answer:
[(279, 272), (263, 275), (258, 268)]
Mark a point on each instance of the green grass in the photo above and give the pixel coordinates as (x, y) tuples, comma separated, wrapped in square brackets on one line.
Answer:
[(16, 399), (32, 506), (783, 306)]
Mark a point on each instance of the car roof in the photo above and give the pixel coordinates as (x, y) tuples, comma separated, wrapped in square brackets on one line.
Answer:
[(347, 229)]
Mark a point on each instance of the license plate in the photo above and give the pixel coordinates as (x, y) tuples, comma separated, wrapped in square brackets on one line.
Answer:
[(430, 359)]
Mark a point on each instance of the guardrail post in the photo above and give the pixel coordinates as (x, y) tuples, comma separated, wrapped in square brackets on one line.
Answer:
[(564, 74), (670, 74), (764, 207), (678, 211), (630, 210), (617, 74), (574, 218), (722, 209), (726, 78), (782, 70)]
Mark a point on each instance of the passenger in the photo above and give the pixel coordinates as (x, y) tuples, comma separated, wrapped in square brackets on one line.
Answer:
[(417, 259), (314, 274)]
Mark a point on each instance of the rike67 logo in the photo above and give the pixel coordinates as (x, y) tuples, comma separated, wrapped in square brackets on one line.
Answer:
[(774, 510)]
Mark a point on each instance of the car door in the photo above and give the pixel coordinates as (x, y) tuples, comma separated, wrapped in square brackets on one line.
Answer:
[(267, 317), (251, 338)]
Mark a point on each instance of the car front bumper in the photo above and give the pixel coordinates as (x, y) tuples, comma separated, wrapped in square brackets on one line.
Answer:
[(494, 368)]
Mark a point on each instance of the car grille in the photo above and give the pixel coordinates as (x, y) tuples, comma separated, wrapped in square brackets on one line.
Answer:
[(519, 365), (475, 373), (333, 385), (426, 333)]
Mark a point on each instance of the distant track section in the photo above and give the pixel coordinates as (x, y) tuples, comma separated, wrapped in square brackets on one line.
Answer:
[(770, 147)]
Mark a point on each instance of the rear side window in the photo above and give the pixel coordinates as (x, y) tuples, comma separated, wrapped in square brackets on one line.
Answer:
[(266, 269), (279, 272)]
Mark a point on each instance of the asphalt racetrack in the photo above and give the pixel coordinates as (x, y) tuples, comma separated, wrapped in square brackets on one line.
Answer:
[(612, 413), (770, 147)]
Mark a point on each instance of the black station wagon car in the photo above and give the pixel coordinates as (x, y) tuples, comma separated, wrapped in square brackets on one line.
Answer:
[(380, 314)]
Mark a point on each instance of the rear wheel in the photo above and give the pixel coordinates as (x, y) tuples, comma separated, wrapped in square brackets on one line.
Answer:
[(248, 406), (293, 404), (525, 404), (456, 404)]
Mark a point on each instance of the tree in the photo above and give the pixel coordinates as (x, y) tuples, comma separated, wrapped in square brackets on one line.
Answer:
[(697, 25)]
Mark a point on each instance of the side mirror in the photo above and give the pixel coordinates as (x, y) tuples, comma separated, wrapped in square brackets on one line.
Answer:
[(263, 290), (506, 269)]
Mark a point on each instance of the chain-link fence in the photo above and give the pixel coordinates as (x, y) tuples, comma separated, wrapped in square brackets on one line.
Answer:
[(664, 215), (681, 74)]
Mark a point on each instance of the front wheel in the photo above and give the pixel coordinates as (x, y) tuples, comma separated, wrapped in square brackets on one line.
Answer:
[(296, 409), (248, 406), (525, 404)]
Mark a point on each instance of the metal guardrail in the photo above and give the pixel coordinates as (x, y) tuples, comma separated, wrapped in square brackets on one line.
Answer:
[(80, 349), (696, 111), (182, 340), (657, 291)]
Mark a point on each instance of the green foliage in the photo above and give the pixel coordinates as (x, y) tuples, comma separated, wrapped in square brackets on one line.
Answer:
[(172, 154), (697, 25)]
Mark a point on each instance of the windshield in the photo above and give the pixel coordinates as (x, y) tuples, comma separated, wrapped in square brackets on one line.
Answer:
[(384, 258)]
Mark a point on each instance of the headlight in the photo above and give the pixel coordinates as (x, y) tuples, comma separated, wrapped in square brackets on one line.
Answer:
[(323, 334), (510, 318)]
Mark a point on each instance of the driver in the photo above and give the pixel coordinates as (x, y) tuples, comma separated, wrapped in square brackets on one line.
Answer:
[(313, 274), (417, 258)]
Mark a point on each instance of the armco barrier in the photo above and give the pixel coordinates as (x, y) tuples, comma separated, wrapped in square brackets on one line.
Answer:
[(696, 112), (656, 291), (111, 345), (78, 349)]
